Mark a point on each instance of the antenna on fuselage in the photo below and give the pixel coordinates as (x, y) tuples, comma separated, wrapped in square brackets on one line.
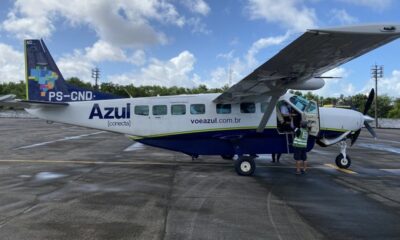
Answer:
[(230, 76), (130, 96)]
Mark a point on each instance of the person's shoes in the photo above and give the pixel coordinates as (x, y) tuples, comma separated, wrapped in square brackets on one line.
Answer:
[(303, 171), (273, 161), (298, 173)]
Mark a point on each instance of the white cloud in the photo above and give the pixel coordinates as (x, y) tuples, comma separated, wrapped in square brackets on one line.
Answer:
[(334, 87), (198, 26), (388, 85), (138, 58), (289, 13), (373, 4), (227, 56), (103, 51), (197, 6), (261, 44), (76, 65), (11, 64), (121, 23), (81, 62), (341, 16), (177, 71), (239, 67)]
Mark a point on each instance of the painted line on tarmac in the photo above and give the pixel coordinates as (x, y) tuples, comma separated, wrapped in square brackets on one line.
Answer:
[(378, 140), (230, 164), (393, 171), (144, 163), (340, 169), (58, 140), (112, 162)]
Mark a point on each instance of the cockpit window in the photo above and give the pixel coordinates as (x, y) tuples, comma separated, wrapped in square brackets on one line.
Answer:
[(311, 108), (299, 102)]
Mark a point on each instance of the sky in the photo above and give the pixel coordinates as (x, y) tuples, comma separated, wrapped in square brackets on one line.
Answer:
[(189, 42)]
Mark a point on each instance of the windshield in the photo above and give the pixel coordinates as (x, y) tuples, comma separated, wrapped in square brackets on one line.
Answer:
[(312, 107), (299, 102)]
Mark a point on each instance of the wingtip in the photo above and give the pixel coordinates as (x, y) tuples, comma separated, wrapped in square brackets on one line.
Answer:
[(382, 28)]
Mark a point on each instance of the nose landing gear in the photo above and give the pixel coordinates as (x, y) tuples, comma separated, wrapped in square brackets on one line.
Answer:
[(245, 165), (343, 160)]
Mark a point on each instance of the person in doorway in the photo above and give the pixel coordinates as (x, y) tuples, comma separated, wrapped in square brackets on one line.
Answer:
[(300, 147), (287, 116), (276, 157)]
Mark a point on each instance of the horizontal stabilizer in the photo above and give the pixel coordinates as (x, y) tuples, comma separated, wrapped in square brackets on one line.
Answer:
[(16, 103)]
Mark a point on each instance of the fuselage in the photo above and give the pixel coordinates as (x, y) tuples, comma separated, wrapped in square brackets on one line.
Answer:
[(172, 117)]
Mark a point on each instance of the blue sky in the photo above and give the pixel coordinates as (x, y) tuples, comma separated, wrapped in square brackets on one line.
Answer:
[(188, 42)]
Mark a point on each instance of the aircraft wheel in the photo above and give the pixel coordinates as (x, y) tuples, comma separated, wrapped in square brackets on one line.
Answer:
[(228, 156), (245, 166), (342, 162)]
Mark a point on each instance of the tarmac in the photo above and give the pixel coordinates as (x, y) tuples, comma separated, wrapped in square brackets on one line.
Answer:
[(64, 182)]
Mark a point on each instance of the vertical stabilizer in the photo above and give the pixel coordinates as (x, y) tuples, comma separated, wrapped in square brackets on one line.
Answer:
[(45, 81)]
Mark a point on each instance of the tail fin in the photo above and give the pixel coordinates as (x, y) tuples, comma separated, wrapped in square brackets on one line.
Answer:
[(44, 81)]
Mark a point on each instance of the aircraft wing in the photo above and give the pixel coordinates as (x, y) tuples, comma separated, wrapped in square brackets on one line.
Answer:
[(301, 64), (312, 54)]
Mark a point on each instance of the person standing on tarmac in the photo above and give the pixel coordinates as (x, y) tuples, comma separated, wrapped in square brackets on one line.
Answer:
[(300, 148), (276, 157)]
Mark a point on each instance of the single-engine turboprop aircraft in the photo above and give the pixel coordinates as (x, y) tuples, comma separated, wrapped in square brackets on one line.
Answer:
[(245, 120)]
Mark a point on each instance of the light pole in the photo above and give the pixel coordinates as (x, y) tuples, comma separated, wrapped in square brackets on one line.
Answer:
[(376, 72), (96, 76)]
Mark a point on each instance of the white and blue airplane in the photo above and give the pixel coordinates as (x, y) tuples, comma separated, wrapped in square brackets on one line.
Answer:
[(245, 120)]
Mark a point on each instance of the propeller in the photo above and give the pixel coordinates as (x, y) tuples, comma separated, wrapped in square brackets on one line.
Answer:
[(367, 119)]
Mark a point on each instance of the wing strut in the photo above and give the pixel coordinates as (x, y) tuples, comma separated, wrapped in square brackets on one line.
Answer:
[(267, 113)]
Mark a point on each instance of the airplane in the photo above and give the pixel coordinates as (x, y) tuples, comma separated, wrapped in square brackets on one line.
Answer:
[(243, 121)]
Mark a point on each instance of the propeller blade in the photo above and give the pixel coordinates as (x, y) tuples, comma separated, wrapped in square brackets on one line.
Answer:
[(355, 136), (370, 129), (369, 101)]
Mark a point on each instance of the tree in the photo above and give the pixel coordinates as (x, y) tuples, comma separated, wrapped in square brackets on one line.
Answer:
[(19, 89), (395, 111), (358, 102), (79, 83), (384, 106)]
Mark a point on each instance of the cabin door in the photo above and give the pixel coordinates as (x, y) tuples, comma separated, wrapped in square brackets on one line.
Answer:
[(311, 115)]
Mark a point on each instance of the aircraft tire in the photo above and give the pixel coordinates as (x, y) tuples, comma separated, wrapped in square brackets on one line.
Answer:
[(342, 162), (245, 166), (228, 156)]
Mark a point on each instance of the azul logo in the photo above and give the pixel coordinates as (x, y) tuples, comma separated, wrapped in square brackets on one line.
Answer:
[(110, 112), (45, 78)]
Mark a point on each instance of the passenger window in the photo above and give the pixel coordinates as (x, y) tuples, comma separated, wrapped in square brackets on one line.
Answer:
[(142, 110), (224, 108), (263, 106), (247, 107), (159, 110), (197, 108), (178, 109)]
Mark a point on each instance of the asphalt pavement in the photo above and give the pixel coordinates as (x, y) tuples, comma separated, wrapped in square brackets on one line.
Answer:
[(64, 182)]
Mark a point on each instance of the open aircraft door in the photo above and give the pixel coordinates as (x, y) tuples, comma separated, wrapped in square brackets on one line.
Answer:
[(311, 115)]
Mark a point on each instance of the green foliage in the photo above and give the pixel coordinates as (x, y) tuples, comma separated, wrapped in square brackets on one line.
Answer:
[(395, 111), (79, 83), (19, 89), (384, 106)]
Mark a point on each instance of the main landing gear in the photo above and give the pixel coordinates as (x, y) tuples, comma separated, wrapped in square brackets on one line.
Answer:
[(245, 165), (343, 160)]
